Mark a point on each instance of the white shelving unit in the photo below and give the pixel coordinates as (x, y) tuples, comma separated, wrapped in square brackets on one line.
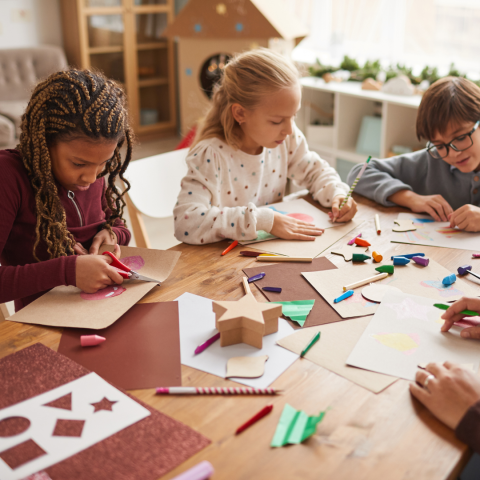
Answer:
[(346, 103)]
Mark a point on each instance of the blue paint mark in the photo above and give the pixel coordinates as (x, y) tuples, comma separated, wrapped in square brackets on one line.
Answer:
[(239, 27), (198, 27)]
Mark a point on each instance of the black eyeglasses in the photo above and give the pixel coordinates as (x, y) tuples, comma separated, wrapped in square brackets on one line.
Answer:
[(459, 144)]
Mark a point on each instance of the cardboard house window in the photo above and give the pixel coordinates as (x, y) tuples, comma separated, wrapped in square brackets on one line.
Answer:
[(211, 72)]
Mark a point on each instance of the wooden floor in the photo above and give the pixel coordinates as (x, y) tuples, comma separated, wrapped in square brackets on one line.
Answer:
[(364, 436)]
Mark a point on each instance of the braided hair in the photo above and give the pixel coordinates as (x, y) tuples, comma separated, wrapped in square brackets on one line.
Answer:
[(68, 105)]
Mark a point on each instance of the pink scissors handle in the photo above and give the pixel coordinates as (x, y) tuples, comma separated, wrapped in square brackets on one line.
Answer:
[(122, 269)]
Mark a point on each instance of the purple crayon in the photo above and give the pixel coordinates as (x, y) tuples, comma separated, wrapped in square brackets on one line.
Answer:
[(256, 277), (272, 289), (421, 260), (464, 269)]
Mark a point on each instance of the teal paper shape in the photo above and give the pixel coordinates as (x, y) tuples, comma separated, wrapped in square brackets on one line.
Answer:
[(297, 310), (295, 426)]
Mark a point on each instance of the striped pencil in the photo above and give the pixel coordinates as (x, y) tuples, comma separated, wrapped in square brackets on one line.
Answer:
[(354, 184), (217, 391)]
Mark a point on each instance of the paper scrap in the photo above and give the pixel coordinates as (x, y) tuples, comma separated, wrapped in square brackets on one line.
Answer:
[(295, 426), (297, 310), (246, 367)]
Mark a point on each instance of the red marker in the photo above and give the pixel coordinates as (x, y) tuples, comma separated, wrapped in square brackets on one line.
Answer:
[(262, 413), (230, 247), (91, 340)]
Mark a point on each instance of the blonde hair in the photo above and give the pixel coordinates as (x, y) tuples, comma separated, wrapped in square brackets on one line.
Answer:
[(246, 79)]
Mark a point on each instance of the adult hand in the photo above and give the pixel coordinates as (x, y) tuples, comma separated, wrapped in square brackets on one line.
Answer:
[(290, 228), (450, 394), (466, 218), (93, 272), (453, 315), (434, 205), (347, 212), (104, 237)]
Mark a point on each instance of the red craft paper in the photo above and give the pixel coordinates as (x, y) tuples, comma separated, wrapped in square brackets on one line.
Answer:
[(288, 276), (142, 348), (146, 450)]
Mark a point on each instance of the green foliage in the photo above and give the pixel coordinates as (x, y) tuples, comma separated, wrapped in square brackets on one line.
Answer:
[(372, 68)]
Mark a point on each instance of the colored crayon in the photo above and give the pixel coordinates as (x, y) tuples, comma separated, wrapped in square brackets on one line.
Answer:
[(262, 413), (230, 247), (344, 296), (272, 289)]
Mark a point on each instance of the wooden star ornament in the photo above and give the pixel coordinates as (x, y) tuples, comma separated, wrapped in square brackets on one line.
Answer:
[(246, 320)]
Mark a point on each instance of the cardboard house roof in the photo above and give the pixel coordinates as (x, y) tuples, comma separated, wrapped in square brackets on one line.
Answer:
[(258, 19)]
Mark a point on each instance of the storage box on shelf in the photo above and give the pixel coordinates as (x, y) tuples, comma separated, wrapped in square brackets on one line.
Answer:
[(344, 105)]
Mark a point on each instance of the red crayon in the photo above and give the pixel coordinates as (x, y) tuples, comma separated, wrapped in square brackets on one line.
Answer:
[(91, 340), (262, 413), (230, 247)]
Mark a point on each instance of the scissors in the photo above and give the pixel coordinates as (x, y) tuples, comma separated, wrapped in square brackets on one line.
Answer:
[(127, 272)]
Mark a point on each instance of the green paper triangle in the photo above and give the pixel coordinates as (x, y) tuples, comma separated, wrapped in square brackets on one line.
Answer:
[(297, 310)]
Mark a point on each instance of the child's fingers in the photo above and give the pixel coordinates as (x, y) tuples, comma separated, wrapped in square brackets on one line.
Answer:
[(432, 213), (96, 244), (441, 212), (471, 332)]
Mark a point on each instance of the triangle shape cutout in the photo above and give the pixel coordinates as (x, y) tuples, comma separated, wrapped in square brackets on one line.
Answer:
[(64, 402)]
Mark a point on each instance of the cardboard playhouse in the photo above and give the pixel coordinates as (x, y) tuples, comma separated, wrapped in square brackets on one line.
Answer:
[(209, 32)]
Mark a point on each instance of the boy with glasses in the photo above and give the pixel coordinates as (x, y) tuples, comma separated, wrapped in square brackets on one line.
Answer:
[(443, 179)]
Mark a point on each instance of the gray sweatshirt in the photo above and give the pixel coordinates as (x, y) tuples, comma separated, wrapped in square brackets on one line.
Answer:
[(418, 172)]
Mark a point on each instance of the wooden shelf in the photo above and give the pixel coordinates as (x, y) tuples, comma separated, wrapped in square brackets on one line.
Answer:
[(152, 82), (152, 45), (100, 50)]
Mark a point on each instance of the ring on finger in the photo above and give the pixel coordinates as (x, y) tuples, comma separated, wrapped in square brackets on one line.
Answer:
[(427, 380)]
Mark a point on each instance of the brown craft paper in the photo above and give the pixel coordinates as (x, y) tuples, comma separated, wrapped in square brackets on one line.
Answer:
[(142, 348), (299, 248), (288, 276), (67, 307), (246, 367), (411, 278), (146, 450), (332, 350)]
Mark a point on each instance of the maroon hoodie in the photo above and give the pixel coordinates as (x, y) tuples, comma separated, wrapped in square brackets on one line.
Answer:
[(22, 278)]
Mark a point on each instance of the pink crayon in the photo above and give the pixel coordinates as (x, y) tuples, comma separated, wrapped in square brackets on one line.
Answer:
[(91, 340), (352, 241), (201, 471), (205, 345), (476, 255)]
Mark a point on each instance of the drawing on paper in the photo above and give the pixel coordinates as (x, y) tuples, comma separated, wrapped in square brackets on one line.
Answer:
[(444, 290), (135, 262), (448, 231), (407, 308), (357, 298), (406, 343)]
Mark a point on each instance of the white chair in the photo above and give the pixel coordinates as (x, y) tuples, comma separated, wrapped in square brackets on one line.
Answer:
[(155, 185)]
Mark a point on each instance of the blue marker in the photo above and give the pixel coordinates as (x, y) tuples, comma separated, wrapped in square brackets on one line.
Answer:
[(409, 255), (452, 278), (400, 260), (343, 296)]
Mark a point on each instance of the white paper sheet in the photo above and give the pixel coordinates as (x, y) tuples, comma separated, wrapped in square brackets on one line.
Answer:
[(404, 333), (98, 425), (435, 234), (299, 209), (197, 325)]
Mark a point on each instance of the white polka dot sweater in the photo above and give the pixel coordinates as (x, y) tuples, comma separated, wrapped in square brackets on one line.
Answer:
[(224, 187)]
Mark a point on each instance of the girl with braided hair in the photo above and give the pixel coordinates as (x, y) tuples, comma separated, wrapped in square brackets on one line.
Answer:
[(58, 198), (246, 148)]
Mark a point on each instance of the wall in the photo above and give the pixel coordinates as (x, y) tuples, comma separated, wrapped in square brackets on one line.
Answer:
[(27, 23)]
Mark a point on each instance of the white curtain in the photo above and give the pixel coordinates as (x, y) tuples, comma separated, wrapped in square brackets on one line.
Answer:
[(411, 32)]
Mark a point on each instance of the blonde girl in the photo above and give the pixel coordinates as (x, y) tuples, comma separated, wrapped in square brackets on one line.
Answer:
[(244, 152)]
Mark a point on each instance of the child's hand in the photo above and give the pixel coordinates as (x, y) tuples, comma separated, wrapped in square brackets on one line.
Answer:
[(347, 212), (79, 249), (453, 315), (466, 218), (93, 272), (104, 237), (290, 228), (435, 205)]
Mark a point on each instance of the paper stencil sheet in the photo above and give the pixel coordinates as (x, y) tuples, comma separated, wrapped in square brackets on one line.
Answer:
[(412, 278), (70, 307), (435, 234), (81, 413), (404, 333)]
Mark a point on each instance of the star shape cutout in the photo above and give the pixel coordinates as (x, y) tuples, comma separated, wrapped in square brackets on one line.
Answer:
[(103, 404), (244, 313)]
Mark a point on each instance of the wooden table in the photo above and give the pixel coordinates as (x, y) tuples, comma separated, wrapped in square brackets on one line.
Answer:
[(363, 436)]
